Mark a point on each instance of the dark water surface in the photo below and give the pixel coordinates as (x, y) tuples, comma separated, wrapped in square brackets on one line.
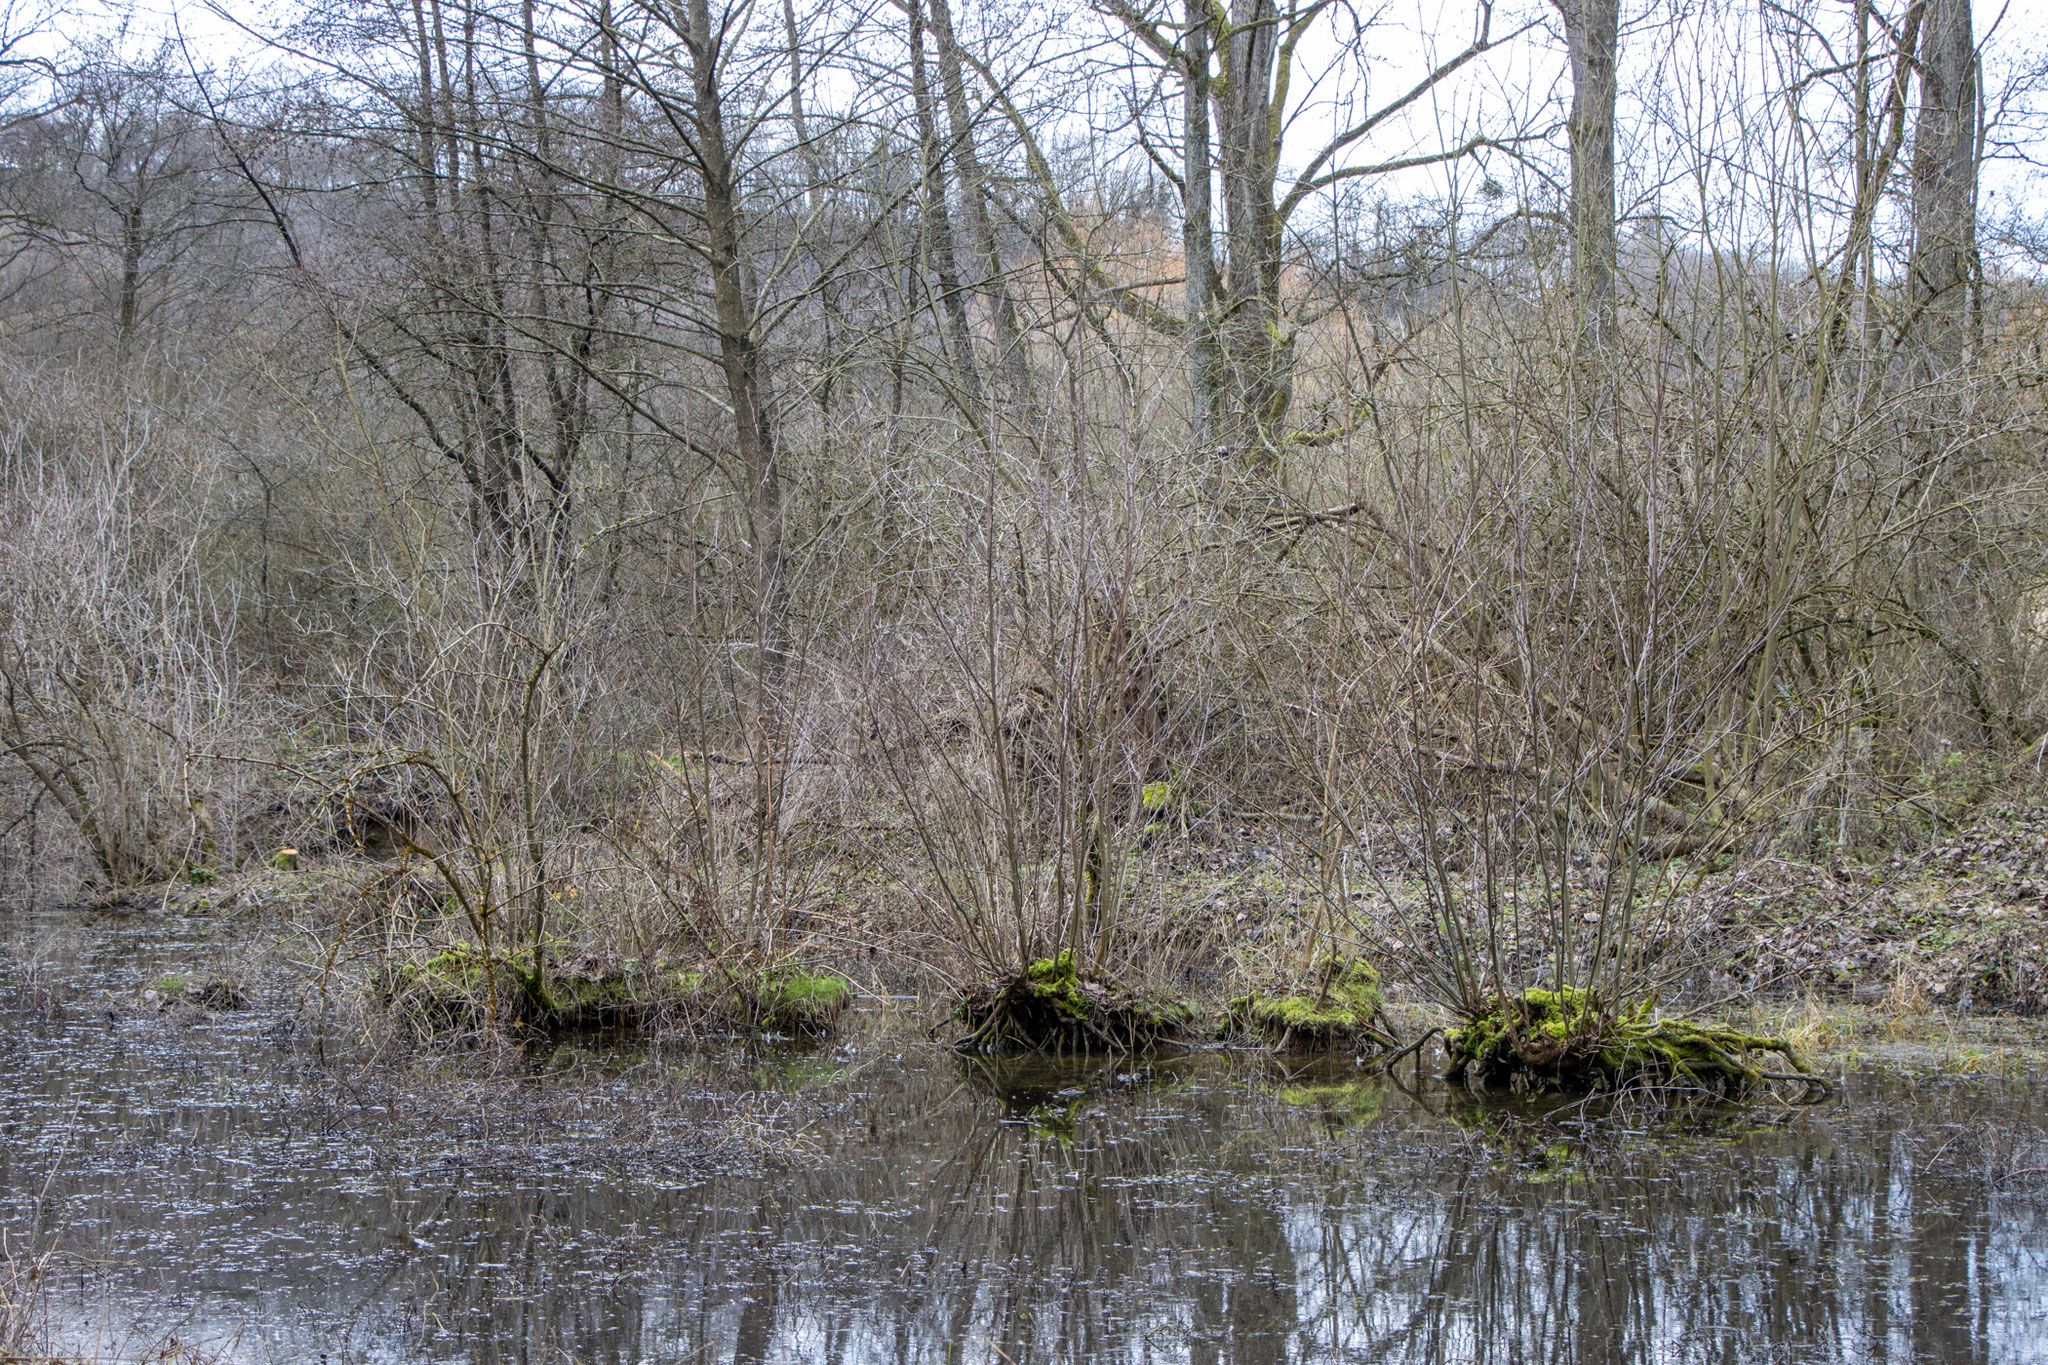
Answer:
[(217, 1180)]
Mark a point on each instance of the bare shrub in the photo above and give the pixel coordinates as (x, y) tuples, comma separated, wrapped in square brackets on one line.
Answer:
[(118, 670), (1041, 700)]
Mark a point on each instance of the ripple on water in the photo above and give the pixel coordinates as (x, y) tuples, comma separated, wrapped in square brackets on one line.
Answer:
[(212, 1183)]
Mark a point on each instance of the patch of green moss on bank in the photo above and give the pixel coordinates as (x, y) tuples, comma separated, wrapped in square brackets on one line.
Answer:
[(1342, 1006), (792, 1000), (1568, 1039), (1053, 1006), (460, 987)]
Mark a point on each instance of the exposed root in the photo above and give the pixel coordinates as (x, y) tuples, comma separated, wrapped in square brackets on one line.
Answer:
[(1565, 1040), (1052, 1007)]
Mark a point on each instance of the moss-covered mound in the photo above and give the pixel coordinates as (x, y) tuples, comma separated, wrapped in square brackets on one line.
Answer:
[(792, 1000), (1053, 1007), (1566, 1039), (1340, 1007), (170, 991), (459, 988)]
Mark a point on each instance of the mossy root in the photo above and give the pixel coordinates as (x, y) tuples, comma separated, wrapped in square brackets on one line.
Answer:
[(1565, 1039)]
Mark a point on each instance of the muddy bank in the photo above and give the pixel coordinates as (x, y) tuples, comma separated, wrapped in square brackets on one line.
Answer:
[(1961, 926), (1957, 930)]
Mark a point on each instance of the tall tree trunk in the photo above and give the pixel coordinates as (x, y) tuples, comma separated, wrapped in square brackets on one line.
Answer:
[(129, 304), (938, 238), (430, 182), (1592, 34), (1945, 152), (1197, 236), (1939, 333), (1012, 364), (745, 371), (1880, 134), (813, 173), (1254, 353)]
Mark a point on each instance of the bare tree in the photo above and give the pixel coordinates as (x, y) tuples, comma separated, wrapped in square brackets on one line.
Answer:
[(121, 192), (1592, 30), (1947, 146), (1237, 71)]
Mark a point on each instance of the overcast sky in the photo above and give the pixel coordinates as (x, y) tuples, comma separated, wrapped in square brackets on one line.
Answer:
[(1692, 74)]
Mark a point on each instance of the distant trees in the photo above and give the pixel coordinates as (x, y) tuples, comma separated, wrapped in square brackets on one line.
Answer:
[(734, 335), (1238, 71), (125, 216)]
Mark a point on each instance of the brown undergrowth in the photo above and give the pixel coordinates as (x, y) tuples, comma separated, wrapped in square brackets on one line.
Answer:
[(1955, 929)]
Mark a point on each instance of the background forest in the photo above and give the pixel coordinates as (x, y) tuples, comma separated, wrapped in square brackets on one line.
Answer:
[(913, 489)]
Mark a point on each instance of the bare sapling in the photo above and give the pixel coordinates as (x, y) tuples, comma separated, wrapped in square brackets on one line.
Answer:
[(1035, 716), (116, 670)]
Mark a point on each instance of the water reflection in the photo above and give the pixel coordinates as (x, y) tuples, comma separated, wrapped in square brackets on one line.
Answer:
[(1203, 1208)]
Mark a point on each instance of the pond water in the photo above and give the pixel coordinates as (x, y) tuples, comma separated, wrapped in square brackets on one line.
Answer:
[(220, 1179)]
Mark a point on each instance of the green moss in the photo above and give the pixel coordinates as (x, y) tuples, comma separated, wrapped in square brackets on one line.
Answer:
[(792, 1000), (285, 860), (1344, 1103), (585, 996), (1053, 1007), (1554, 1163), (1057, 982), (1156, 1015), (1568, 1038), (455, 984), (1057, 1119), (171, 984), (1343, 1004)]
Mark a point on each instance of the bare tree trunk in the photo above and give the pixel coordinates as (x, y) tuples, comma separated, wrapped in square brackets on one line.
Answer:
[(813, 172), (131, 272), (1254, 354), (1944, 259), (938, 237), (1592, 32), (1198, 245), (1880, 134), (1012, 365), (1938, 338), (430, 178), (746, 373)]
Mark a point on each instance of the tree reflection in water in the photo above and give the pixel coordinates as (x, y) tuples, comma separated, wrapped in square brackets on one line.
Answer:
[(1208, 1208), (1227, 1209)]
